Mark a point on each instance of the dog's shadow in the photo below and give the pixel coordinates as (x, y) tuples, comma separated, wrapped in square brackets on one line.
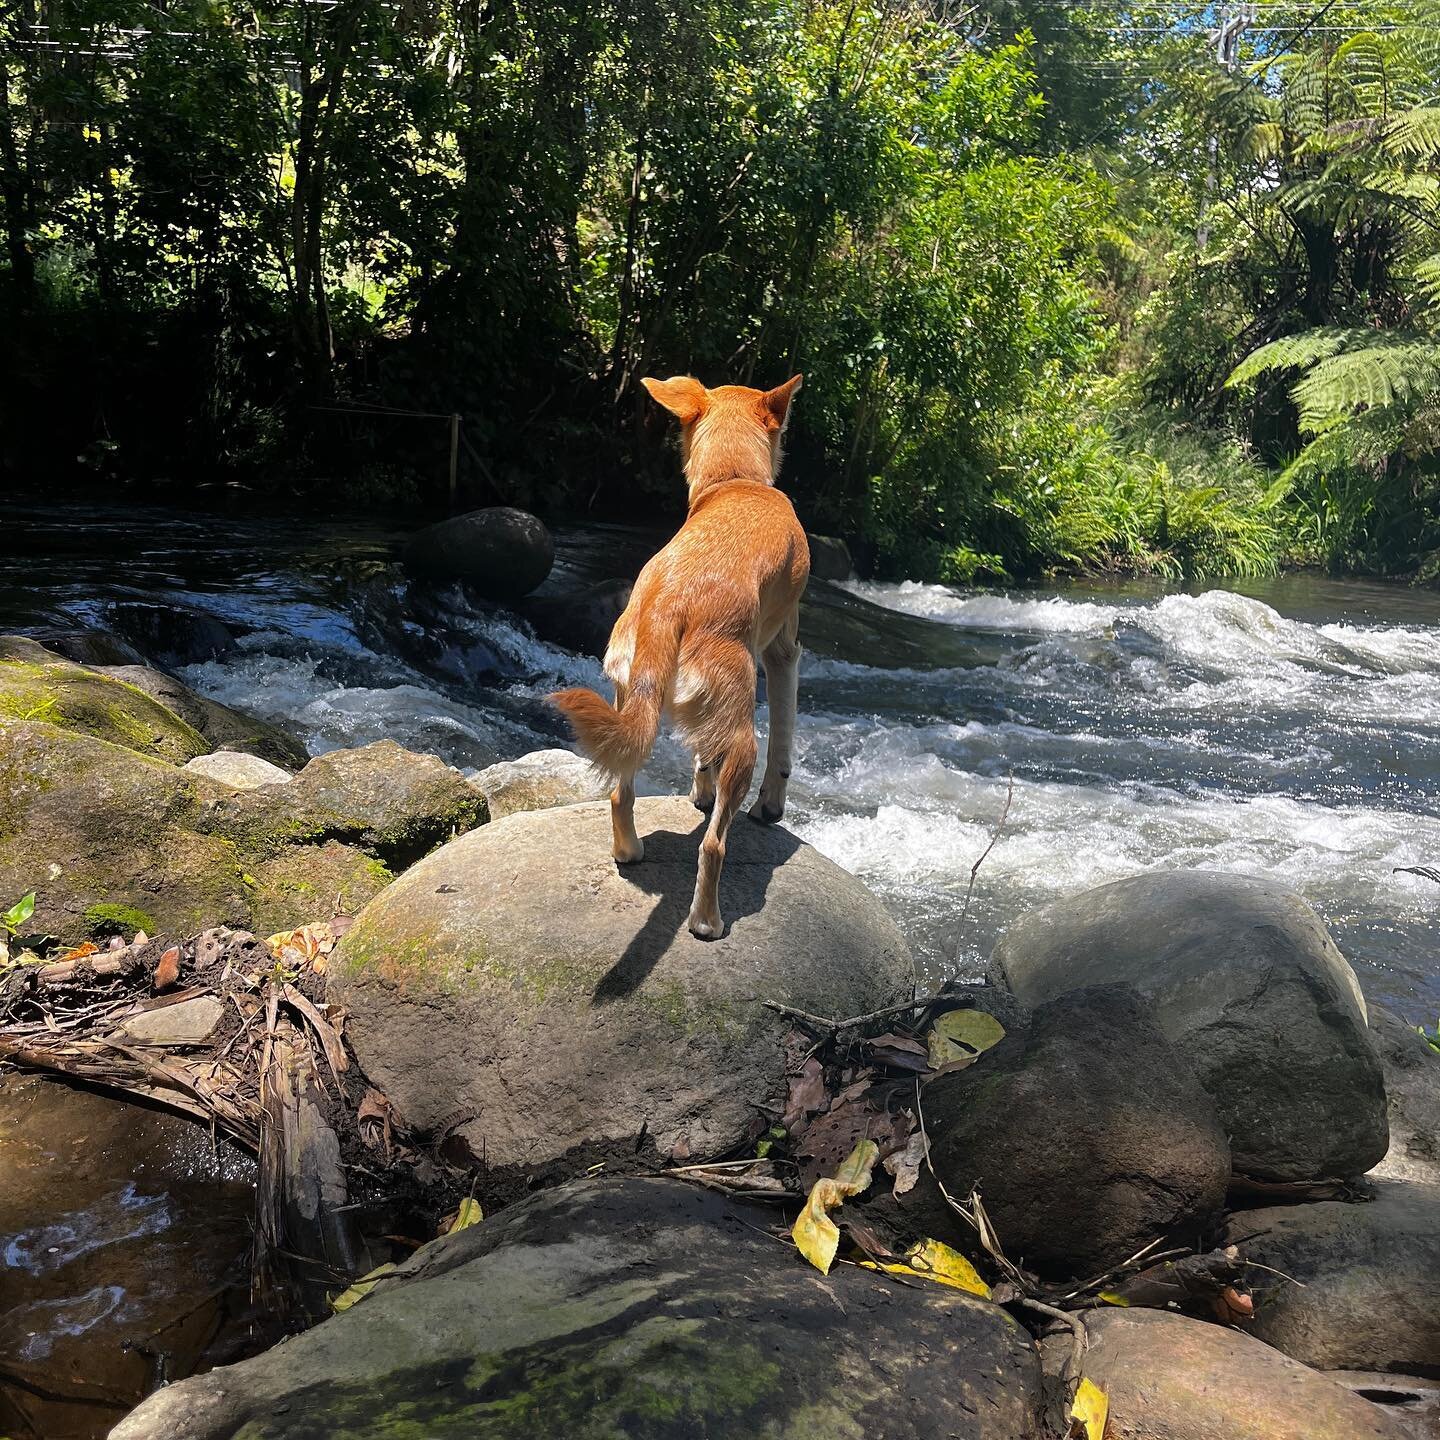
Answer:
[(753, 852)]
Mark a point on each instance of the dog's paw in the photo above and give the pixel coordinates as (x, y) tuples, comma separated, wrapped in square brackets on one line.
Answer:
[(629, 855), (705, 927), (767, 814), (705, 803)]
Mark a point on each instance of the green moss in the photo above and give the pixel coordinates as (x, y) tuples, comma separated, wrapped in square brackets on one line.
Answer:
[(105, 920)]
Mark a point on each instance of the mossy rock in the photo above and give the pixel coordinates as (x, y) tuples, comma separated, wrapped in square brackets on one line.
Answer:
[(625, 1310), (113, 841), (519, 975), (37, 685)]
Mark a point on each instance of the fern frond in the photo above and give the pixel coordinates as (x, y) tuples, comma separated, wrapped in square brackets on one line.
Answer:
[(1296, 352), (1393, 371)]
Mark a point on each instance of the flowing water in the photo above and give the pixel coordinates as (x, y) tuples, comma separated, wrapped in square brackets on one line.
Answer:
[(1288, 729)]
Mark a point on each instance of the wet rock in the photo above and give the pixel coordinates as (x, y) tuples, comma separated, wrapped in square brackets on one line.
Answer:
[(112, 841), (237, 770), (540, 780), (522, 979), (1248, 984), (502, 552), (1412, 1092), (224, 728), (36, 684), (830, 558), (188, 1023), (580, 621), (170, 634), (642, 1308), (1367, 1298), (1172, 1378), (96, 648), (1087, 1135)]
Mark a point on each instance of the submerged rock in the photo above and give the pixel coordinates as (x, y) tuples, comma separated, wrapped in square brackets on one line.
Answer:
[(1172, 1378), (540, 780), (502, 552), (1366, 1297), (1248, 984), (1087, 1136), (520, 979), (1412, 1093), (647, 1309), (113, 841)]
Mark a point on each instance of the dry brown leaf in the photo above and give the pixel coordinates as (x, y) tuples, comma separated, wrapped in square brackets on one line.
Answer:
[(807, 1093), (167, 972)]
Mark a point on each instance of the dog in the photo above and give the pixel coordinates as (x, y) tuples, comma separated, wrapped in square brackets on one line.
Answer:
[(725, 590)]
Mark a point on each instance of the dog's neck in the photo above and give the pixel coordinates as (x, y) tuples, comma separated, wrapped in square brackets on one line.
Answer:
[(721, 447)]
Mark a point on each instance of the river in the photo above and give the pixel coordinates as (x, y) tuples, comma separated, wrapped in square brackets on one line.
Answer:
[(1288, 728)]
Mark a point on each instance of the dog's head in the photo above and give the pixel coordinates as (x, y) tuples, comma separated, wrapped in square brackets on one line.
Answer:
[(730, 432)]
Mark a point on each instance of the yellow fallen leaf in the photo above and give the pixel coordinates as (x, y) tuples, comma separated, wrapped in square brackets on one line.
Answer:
[(467, 1215), (361, 1288), (817, 1237), (932, 1260), (1112, 1297), (1091, 1410), (961, 1035)]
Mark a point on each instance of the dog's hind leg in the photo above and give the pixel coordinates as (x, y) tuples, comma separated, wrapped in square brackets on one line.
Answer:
[(782, 685), (732, 784), (702, 792), (628, 848)]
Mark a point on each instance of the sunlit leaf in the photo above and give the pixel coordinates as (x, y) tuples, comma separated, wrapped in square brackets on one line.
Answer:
[(1090, 1411), (467, 1215), (816, 1235), (361, 1288), (932, 1260), (961, 1035), (19, 912)]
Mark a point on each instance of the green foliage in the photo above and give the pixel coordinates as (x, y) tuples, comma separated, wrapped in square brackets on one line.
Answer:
[(18, 914)]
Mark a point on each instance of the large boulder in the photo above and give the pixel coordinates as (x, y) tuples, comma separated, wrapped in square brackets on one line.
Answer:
[(501, 552), (1172, 1378), (36, 684), (540, 780), (1248, 984), (521, 980), (1412, 1092), (113, 841), (1366, 1297), (644, 1309), (1087, 1136), (830, 558), (581, 619)]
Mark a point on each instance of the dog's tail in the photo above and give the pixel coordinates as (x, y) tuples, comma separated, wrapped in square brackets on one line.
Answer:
[(618, 740)]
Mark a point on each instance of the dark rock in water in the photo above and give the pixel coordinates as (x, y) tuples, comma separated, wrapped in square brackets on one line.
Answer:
[(830, 558), (170, 634), (1172, 1378), (1248, 984), (647, 1309), (520, 978), (581, 621), (1087, 1136), (224, 728), (503, 552), (86, 647), (1367, 1298), (1412, 1091)]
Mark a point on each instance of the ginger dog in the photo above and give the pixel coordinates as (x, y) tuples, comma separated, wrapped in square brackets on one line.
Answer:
[(724, 590)]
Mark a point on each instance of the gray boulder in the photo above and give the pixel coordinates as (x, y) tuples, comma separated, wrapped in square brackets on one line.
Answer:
[(1088, 1136), (501, 552), (1247, 983), (646, 1309), (1412, 1091), (519, 978), (1366, 1297), (1172, 1378), (237, 770), (540, 780)]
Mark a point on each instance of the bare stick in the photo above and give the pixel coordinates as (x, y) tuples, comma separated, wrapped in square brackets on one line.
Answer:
[(975, 870)]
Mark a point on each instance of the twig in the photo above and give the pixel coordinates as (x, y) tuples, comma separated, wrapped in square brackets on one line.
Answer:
[(975, 870), (1270, 1269), (1079, 1336)]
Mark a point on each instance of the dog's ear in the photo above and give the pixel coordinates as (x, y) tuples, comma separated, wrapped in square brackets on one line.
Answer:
[(684, 397), (777, 401)]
